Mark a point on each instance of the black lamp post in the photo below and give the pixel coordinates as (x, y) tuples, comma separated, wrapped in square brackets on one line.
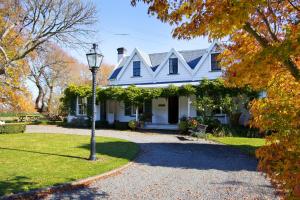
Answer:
[(94, 59)]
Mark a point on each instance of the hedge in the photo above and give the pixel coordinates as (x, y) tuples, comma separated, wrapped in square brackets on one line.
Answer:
[(12, 128)]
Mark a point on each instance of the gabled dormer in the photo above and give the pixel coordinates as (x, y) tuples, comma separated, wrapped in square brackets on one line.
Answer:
[(173, 68), (167, 67), (208, 67), (132, 69)]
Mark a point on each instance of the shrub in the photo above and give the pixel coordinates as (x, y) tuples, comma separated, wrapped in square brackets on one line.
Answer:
[(101, 124), (222, 131), (183, 125), (210, 122), (121, 125), (12, 128), (79, 122), (132, 124), (192, 123), (239, 131)]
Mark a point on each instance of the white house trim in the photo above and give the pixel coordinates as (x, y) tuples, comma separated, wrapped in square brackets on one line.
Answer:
[(146, 62), (204, 57), (179, 56)]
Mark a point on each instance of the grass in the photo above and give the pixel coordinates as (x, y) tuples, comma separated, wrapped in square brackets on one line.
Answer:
[(31, 161), (246, 145)]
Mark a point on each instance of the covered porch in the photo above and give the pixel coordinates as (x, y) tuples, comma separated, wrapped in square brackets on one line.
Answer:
[(159, 113)]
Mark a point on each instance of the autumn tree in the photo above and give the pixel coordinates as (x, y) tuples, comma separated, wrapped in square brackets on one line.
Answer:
[(271, 25), (52, 70), (40, 21), (104, 73), (262, 51), (25, 25)]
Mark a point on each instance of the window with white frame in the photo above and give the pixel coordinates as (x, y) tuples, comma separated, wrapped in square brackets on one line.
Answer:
[(130, 110), (173, 65), (136, 68), (215, 63), (82, 105)]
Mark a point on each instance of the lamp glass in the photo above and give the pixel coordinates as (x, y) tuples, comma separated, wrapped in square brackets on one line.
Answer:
[(94, 58)]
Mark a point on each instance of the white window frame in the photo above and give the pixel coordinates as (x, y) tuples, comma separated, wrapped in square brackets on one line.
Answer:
[(211, 67), (133, 69), (171, 67), (78, 105)]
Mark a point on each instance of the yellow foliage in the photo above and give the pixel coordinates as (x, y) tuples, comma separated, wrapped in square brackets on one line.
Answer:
[(262, 51)]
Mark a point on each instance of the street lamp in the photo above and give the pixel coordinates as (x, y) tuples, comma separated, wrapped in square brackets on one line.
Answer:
[(94, 59)]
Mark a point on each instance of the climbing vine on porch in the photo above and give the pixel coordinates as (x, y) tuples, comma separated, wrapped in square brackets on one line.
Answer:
[(136, 95)]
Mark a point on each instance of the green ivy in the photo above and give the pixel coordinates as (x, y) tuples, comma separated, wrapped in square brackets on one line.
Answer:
[(215, 89)]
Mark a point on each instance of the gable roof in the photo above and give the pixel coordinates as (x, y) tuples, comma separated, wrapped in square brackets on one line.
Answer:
[(205, 55), (192, 59), (144, 58), (115, 73)]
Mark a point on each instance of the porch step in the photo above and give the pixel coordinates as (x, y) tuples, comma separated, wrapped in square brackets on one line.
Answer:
[(161, 126)]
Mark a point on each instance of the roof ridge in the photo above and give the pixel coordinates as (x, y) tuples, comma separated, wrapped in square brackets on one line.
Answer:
[(204, 49)]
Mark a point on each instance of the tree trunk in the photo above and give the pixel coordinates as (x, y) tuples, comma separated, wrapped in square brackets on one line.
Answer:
[(50, 99), (292, 67), (39, 98), (43, 108), (289, 63)]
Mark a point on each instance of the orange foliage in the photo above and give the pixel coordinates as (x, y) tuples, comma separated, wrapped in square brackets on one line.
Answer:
[(263, 52)]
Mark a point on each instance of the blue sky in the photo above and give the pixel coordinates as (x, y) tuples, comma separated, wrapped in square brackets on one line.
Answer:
[(144, 31)]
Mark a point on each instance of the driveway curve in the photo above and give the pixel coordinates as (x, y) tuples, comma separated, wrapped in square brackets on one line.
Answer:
[(170, 168)]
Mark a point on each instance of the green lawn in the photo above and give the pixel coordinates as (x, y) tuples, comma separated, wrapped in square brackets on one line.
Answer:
[(247, 145), (30, 161)]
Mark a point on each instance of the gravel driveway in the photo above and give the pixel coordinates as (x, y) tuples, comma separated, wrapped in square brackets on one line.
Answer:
[(169, 168)]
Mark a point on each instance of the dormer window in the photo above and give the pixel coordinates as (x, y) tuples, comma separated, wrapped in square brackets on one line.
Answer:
[(173, 65), (136, 68), (215, 63)]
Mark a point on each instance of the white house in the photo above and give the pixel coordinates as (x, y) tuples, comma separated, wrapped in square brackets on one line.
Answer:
[(157, 70)]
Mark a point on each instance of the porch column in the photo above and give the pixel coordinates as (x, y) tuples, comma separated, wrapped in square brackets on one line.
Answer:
[(189, 106), (137, 113)]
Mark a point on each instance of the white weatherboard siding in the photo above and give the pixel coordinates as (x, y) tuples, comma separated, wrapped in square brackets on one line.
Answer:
[(183, 107), (127, 75), (164, 76), (204, 70), (121, 114)]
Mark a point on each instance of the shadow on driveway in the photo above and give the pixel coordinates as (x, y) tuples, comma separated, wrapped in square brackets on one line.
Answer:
[(185, 155)]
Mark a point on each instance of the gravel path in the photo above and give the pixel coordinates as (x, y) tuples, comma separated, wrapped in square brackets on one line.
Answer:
[(169, 168)]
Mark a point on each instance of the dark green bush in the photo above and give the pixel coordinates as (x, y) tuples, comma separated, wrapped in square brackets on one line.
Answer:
[(79, 122), (223, 131), (183, 125), (121, 125), (12, 128), (210, 122), (102, 124), (238, 131)]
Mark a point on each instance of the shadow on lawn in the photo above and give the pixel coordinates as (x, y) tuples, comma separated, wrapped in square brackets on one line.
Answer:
[(15, 184), (43, 153)]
